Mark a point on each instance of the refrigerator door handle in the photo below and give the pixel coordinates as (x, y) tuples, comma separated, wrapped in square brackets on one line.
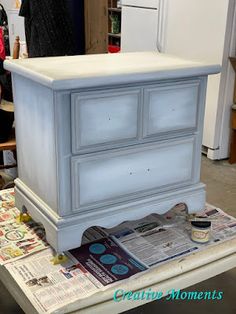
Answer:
[(161, 25)]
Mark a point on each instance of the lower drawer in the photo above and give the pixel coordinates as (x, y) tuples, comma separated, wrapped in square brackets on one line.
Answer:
[(124, 174)]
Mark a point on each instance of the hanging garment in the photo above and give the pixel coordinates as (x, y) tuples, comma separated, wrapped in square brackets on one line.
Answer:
[(48, 28), (2, 51), (76, 10), (2, 46)]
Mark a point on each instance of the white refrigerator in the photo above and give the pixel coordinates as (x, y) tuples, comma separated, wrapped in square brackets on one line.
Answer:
[(203, 30)]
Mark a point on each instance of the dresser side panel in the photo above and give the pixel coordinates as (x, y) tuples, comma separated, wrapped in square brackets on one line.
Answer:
[(63, 143), (199, 133), (35, 136)]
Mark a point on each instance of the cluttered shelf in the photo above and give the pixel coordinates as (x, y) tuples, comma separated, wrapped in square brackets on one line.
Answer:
[(114, 9), (114, 26), (114, 35), (155, 253)]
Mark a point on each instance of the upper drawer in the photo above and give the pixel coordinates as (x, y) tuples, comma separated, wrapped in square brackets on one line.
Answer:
[(104, 119), (171, 108)]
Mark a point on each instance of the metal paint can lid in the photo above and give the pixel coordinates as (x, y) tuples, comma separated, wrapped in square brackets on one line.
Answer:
[(201, 224)]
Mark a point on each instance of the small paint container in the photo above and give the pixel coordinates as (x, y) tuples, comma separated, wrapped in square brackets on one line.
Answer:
[(201, 231)]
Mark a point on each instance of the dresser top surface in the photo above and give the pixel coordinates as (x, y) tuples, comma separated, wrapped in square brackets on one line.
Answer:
[(105, 69)]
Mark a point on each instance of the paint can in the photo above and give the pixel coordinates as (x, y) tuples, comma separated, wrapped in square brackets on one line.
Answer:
[(200, 231)]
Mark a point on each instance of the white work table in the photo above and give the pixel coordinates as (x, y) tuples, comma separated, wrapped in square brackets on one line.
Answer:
[(178, 274)]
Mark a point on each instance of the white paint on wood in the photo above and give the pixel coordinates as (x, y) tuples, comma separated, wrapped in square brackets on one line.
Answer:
[(63, 73), (172, 108), (77, 169), (141, 170), (34, 115), (100, 118)]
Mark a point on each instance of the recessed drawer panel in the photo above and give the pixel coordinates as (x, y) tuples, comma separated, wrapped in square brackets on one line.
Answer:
[(102, 119), (121, 175), (171, 108)]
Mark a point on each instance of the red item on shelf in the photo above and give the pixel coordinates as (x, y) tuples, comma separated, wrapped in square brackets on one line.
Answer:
[(2, 46), (113, 49)]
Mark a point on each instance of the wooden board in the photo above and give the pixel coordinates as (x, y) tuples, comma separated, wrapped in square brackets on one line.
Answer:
[(96, 26), (9, 145)]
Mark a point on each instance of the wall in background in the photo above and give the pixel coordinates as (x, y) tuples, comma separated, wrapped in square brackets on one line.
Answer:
[(8, 4)]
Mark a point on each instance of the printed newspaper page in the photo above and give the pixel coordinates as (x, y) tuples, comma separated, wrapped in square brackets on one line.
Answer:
[(156, 238), (50, 287), (107, 261), (17, 239), (223, 226), (91, 268), (92, 234)]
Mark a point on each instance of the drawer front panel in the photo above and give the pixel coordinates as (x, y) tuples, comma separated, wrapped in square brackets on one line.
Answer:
[(102, 179), (102, 119), (171, 108)]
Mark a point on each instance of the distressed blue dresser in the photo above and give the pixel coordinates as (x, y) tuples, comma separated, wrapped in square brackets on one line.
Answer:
[(107, 138)]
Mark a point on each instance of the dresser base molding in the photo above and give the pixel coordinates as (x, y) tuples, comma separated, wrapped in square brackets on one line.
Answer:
[(65, 233)]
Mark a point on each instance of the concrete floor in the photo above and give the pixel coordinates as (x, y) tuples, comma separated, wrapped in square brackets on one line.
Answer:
[(220, 180)]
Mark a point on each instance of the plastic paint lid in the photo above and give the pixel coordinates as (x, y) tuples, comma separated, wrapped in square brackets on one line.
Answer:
[(201, 224)]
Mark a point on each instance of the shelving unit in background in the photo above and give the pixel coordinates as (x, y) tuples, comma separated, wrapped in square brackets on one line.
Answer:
[(95, 19), (114, 35)]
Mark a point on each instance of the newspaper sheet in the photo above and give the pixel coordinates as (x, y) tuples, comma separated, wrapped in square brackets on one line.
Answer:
[(89, 269), (223, 225), (156, 239), (109, 255), (48, 286), (92, 234), (7, 195), (107, 261), (17, 240)]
